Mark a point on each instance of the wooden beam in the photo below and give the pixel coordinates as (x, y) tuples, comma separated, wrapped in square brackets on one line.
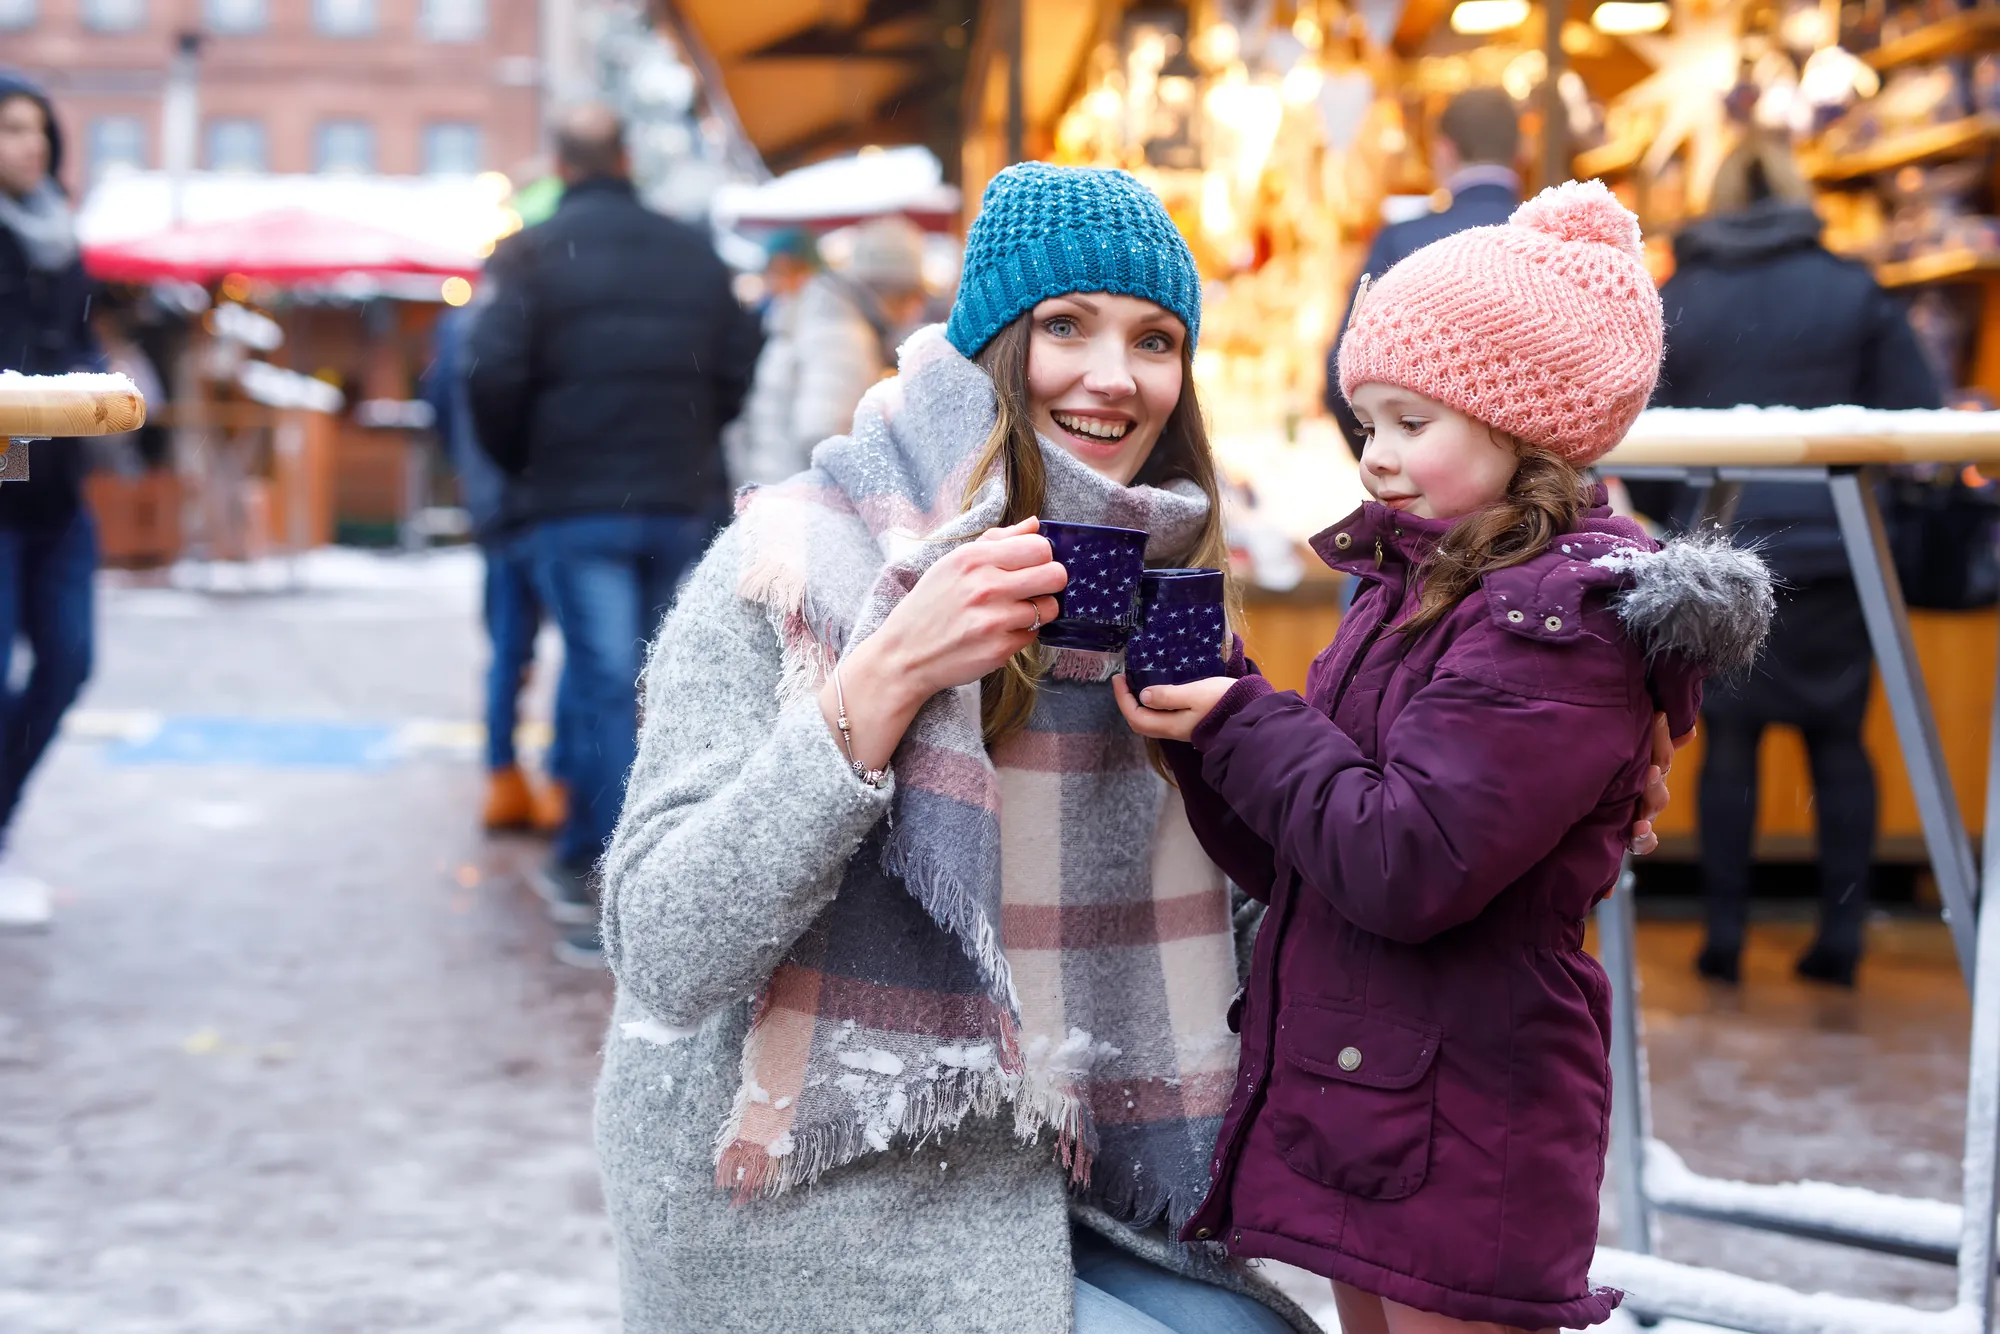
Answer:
[(901, 117), (1420, 17)]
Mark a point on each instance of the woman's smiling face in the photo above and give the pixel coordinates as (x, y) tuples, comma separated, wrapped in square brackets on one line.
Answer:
[(1104, 375)]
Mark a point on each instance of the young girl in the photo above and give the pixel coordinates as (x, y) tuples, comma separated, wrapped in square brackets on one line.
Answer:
[(1422, 1104)]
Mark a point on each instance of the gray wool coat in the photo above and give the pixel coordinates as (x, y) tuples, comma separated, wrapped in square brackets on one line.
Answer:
[(739, 819)]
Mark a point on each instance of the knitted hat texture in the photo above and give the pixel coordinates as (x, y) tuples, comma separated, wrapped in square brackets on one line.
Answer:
[(1547, 327), (1046, 231)]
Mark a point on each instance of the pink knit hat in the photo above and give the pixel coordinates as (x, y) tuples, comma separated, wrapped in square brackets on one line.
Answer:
[(1547, 327)]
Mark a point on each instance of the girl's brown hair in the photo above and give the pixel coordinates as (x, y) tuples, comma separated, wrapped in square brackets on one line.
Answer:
[(1542, 503), (1007, 696)]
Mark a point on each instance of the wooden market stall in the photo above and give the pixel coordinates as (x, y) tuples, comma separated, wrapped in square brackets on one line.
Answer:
[(1280, 136)]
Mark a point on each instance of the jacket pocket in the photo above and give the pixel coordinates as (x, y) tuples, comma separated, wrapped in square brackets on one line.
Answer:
[(1352, 1098)]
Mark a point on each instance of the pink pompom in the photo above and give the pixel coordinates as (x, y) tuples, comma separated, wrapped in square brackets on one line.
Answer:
[(1581, 211)]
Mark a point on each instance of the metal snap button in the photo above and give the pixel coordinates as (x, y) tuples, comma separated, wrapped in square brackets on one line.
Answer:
[(1554, 623), (1350, 1058), (1342, 541), (1516, 617), (1202, 1234)]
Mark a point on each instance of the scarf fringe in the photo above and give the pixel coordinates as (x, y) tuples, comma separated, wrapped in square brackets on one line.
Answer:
[(954, 908), (1121, 1192), (1041, 1109), (1073, 664), (935, 1107)]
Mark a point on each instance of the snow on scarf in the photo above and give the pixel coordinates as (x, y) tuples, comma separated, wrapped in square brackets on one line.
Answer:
[(1037, 928)]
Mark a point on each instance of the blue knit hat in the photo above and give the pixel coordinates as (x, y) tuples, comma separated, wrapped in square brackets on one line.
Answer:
[(1045, 231)]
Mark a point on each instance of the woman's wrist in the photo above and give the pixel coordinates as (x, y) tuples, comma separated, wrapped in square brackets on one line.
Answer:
[(883, 667), (876, 698)]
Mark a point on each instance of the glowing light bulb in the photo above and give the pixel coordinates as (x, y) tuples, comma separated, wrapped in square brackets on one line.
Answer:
[(455, 291), (1480, 17), (1621, 18)]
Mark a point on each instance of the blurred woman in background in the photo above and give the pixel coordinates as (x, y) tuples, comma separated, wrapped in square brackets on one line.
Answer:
[(1760, 312)]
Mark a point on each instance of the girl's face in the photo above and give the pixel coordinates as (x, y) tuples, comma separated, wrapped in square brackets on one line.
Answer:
[(1426, 459), (1104, 374)]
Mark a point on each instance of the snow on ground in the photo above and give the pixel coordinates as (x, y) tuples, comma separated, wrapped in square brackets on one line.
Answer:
[(337, 570)]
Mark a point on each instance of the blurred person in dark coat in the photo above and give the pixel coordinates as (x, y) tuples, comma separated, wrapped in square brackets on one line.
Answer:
[(48, 542), (608, 358), (511, 604), (1759, 312), (1473, 157)]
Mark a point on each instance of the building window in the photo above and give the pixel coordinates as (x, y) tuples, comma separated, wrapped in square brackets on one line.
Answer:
[(453, 20), (114, 15), (344, 18), (117, 143), (15, 14), (235, 16), (345, 147), (453, 148), (236, 145)]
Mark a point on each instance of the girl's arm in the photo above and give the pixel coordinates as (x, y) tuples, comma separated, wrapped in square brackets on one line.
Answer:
[(739, 817), (1479, 783), (1229, 843)]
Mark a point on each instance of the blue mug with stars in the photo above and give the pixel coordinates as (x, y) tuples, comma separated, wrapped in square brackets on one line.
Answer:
[(1182, 630), (1099, 608)]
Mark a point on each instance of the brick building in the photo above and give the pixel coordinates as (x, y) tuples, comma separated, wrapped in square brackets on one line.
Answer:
[(396, 87)]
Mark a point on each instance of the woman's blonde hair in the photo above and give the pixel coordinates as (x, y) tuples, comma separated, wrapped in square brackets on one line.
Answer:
[(1760, 167), (1007, 696), (1543, 502)]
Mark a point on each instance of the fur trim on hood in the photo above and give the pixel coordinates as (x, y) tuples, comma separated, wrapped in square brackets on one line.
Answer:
[(1697, 598)]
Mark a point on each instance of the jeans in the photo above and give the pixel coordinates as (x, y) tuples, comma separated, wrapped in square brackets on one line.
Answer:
[(1119, 1293), (609, 578), (513, 608), (47, 597)]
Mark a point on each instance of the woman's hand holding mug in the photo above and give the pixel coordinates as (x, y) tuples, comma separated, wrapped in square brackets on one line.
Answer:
[(969, 613)]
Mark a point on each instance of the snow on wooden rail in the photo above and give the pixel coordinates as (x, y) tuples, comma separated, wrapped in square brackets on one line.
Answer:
[(46, 406), (1779, 437), (1656, 1287)]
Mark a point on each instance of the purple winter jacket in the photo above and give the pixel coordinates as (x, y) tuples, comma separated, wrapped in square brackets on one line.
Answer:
[(1424, 1096)]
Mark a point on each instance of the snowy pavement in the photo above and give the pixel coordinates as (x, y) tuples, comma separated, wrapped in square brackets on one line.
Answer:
[(295, 1055)]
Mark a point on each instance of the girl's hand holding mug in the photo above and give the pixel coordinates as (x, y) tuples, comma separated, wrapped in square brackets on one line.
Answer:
[(970, 612), (1170, 713)]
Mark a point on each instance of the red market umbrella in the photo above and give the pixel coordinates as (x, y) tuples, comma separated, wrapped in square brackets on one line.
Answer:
[(287, 245)]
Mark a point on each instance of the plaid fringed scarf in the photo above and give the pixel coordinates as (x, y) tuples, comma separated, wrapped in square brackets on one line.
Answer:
[(1037, 928)]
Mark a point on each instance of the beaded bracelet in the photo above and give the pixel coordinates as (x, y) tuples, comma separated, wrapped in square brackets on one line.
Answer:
[(871, 777)]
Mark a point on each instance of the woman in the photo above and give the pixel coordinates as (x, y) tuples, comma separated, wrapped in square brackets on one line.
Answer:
[(1760, 312), (859, 1077)]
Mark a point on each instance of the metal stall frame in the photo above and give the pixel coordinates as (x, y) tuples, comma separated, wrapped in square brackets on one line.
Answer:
[(1651, 1178)]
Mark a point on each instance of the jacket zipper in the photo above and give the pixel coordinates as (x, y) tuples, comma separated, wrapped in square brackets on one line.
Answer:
[(1361, 654), (1267, 1014)]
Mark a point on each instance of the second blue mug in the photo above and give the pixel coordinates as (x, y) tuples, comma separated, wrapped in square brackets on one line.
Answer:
[(1183, 633)]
